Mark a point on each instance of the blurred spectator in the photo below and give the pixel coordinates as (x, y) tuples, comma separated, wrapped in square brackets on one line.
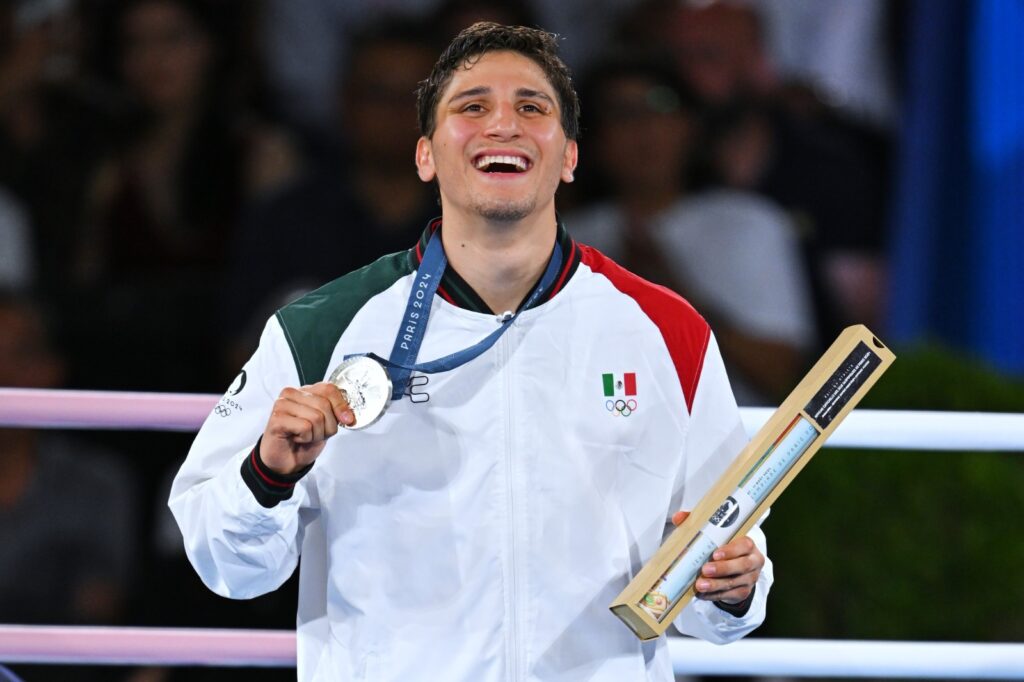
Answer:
[(192, 604), (772, 138), (53, 125), (830, 189), (732, 254), (66, 511), (165, 204), (454, 15), (166, 201), (16, 263), (308, 40), (352, 207), (719, 47), (835, 47)]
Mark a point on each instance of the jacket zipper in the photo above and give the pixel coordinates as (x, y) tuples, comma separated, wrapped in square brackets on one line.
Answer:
[(513, 569)]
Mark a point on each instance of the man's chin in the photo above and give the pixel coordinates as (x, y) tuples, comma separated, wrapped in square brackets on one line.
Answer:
[(505, 212)]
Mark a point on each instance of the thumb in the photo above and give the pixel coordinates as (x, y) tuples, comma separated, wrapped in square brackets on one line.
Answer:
[(679, 517)]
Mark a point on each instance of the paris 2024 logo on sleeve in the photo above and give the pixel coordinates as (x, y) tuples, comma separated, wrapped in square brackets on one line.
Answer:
[(226, 407)]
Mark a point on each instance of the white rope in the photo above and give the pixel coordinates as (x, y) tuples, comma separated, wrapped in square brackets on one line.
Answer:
[(894, 429), (916, 430), (825, 658), (761, 657)]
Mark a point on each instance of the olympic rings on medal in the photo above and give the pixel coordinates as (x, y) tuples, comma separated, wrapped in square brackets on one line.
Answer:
[(621, 407)]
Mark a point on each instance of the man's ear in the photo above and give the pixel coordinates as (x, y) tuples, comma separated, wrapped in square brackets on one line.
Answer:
[(425, 160), (569, 160)]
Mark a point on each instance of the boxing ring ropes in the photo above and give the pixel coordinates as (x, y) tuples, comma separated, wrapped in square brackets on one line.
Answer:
[(872, 429)]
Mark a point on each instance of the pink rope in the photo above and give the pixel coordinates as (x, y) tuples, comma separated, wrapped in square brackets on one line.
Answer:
[(898, 429), (153, 646), (104, 409)]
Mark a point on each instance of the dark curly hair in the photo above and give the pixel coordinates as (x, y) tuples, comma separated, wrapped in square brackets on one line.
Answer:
[(483, 37)]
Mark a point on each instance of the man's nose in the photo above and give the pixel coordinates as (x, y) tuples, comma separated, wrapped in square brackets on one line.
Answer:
[(503, 123)]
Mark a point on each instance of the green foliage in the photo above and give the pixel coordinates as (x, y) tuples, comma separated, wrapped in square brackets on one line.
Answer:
[(906, 545)]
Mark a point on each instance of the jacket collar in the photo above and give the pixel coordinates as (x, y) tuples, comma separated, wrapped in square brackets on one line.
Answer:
[(456, 290)]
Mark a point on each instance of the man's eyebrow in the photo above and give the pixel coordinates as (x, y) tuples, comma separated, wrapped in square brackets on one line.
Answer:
[(472, 92), (527, 92), (486, 90)]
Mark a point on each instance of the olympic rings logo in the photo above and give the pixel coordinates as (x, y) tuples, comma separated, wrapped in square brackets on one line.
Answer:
[(621, 407), (222, 410)]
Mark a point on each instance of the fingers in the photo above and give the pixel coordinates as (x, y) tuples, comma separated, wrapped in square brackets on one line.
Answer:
[(303, 415), (294, 429), (732, 572), (731, 589), (300, 423), (732, 596), (336, 398), (310, 414), (739, 547)]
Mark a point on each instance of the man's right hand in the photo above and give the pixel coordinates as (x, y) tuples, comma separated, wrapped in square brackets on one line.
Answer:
[(300, 424)]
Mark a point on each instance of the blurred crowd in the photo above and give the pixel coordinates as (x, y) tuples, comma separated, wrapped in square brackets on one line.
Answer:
[(172, 171)]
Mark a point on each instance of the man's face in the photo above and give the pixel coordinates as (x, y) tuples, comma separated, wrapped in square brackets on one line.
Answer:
[(498, 150)]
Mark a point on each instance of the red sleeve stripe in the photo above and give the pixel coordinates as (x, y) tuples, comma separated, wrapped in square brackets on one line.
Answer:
[(258, 467), (685, 332)]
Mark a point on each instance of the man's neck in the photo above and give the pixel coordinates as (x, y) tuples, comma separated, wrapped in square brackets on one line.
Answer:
[(501, 261)]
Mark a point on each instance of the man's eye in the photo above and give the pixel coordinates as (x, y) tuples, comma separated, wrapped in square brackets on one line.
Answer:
[(473, 108), (532, 109)]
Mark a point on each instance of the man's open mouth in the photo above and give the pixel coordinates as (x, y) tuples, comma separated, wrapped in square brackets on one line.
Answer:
[(503, 163)]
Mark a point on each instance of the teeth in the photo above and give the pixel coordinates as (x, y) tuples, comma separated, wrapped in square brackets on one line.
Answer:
[(517, 161)]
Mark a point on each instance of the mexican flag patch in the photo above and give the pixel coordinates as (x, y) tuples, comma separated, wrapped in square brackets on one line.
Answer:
[(619, 384)]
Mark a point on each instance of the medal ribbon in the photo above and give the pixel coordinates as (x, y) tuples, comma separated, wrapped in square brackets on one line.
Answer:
[(407, 344)]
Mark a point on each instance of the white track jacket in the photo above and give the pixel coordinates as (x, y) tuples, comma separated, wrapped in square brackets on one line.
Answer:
[(481, 528)]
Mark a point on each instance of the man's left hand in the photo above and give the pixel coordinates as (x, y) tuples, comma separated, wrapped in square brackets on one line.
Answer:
[(732, 572)]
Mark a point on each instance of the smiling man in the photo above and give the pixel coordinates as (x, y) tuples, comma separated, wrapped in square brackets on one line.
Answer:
[(472, 516)]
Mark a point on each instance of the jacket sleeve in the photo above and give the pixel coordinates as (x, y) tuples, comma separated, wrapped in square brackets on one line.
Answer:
[(240, 548), (714, 438)]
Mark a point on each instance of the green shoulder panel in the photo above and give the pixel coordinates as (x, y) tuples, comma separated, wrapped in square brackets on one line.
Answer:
[(314, 323)]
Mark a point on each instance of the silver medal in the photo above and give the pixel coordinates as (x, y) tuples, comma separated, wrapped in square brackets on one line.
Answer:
[(367, 388)]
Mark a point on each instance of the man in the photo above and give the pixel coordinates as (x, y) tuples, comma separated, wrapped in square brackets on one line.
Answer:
[(481, 527)]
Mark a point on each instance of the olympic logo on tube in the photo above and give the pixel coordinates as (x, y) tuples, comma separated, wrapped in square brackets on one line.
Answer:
[(621, 407)]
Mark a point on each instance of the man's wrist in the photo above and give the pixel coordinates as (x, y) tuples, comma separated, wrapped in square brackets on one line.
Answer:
[(739, 609), (269, 487)]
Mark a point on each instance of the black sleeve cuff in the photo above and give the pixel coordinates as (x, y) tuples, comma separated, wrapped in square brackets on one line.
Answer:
[(268, 487), (738, 610)]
